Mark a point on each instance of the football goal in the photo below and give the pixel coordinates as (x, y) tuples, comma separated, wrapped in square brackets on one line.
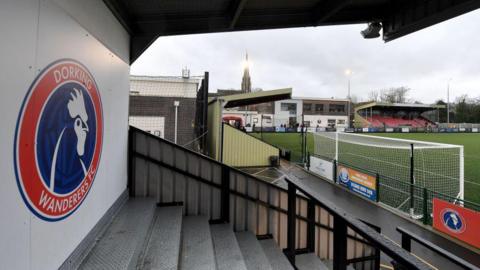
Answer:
[(435, 166)]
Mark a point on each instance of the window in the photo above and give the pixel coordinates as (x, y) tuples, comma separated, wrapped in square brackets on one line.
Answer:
[(337, 108), (307, 123), (341, 122), (307, 107), (267, 119), (331, 121), (157, 133), (289, 107), (319, 107)]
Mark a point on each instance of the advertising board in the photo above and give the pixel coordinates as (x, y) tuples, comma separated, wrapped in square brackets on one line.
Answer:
[(358, 182), (321, 167), (457, 221)]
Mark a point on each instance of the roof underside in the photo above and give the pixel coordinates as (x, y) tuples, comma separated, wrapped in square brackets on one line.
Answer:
[(238, 100), (147, 20), (398, 106)]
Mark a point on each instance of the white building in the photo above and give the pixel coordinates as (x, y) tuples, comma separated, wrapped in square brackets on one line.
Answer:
[(316, 112)]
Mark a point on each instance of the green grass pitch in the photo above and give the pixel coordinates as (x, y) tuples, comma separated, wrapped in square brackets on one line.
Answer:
[(470, 141)]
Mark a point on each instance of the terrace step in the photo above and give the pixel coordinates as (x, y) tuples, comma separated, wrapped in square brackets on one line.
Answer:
[(227, 252), (122, 242), (253, 254), (275, 256), (309, 261), (163, 248), (329, 264), (197, 246)]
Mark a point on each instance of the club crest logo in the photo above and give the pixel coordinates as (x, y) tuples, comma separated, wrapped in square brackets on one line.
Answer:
[(343, 176), (453, 221), (58, 140)]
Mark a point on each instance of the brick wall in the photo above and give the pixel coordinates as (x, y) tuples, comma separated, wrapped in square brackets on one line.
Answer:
[(163, 106)]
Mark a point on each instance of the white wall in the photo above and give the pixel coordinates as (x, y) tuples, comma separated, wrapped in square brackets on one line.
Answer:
[(153, 124), (34, 34), (164, 86), (324, 120)]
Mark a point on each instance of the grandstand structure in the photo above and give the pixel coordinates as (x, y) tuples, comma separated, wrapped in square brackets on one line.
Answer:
[(396, 115)]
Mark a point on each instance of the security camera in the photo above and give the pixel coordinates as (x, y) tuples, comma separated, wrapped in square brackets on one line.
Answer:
[(372, 31)]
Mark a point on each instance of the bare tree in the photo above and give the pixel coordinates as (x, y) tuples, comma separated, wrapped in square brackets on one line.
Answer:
[(374, 95), (394, 95)]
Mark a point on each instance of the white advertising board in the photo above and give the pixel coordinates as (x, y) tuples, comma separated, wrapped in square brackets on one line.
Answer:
[(474, 129), (389, 129), (321, 167), (405, 130)]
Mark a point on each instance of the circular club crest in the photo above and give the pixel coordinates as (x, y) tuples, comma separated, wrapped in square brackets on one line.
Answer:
[(453, 221), (58, 140), (343, 176)]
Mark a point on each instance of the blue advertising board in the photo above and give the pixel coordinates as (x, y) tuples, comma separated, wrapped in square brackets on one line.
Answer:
[(358, 182)]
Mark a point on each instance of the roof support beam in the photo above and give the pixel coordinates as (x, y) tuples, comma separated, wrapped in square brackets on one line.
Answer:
[(325, 9), (410, 16), (237, 8)]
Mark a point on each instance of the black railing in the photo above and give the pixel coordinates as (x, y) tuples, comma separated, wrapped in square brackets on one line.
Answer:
[(342, 221), (408, 237)]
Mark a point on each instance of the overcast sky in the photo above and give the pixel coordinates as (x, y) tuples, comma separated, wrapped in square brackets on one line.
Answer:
[(313, 60)]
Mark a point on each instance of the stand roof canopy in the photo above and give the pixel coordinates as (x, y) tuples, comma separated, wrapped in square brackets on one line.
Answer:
[(146, 20)]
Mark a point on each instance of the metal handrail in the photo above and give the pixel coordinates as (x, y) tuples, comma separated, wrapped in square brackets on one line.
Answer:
[(341, 217), (408, 236)]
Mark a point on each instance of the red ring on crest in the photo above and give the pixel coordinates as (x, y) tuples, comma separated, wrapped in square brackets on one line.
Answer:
[(34, 191)]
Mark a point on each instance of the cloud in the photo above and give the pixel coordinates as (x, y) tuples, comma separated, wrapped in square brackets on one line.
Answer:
[(312, 60)]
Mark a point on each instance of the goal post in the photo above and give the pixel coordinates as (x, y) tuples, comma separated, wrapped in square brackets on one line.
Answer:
[(436, 166)]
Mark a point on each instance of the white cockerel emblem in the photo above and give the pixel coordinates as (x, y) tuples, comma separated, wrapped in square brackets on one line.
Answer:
[(77, 111)]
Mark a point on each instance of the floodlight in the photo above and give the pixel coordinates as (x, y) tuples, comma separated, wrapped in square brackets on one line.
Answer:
[(372, 31)]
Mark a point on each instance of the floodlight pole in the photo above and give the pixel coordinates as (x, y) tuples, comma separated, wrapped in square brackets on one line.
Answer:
[(303, 139), (349, 104), (412, 181), (448, 101)]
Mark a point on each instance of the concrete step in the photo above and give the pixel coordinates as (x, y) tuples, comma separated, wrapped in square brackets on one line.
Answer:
[(329, 264), (309, 261), (255, 258), (122, 243), (197, 246), (227, 252), (275, 256), (162, 251)]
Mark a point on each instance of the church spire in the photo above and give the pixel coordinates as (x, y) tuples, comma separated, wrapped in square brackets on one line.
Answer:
[(246, 81)]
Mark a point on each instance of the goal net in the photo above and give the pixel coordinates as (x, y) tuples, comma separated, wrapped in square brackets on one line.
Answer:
[(437, 167)]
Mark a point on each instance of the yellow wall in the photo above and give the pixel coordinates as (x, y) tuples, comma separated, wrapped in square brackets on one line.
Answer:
[(213, 125), (360, 122), (243, 150)]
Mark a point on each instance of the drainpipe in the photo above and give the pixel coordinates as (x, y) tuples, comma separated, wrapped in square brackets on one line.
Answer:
[(176, 103)]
